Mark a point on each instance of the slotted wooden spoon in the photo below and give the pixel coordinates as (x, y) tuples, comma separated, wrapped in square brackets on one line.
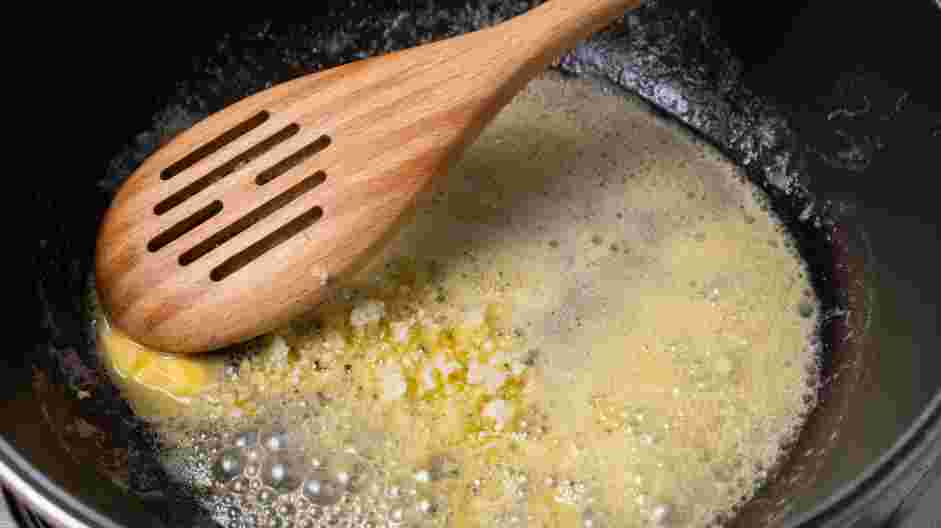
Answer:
[(232, 229)]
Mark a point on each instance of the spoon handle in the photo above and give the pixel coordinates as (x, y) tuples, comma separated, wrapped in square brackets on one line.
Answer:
[(505, 57), (559, 25)]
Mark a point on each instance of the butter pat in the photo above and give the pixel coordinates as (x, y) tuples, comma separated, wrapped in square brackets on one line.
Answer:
[(178, 376)]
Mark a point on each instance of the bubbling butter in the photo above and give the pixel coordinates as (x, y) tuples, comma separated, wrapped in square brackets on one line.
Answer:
[(593, 320)]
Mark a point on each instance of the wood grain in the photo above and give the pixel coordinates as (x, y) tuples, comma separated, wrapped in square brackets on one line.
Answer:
[(393, 121)]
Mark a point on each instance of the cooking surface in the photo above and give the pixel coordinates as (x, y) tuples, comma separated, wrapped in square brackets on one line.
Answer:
[(854, 143)]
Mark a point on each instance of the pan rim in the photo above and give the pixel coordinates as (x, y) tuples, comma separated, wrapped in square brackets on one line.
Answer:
[(920, 443), (46, 498)]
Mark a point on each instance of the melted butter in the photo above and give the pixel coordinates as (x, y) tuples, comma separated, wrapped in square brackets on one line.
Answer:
[(593, 316), (157, 384)]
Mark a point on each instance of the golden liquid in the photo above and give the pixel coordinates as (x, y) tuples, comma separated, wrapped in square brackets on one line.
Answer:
[(646, 324)]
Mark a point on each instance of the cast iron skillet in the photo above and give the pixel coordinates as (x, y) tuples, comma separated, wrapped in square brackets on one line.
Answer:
[(832, 109)]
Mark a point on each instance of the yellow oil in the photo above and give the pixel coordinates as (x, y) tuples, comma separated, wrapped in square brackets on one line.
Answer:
[(157, 384)]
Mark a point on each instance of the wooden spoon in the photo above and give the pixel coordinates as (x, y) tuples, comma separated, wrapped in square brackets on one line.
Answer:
[(233, 228)]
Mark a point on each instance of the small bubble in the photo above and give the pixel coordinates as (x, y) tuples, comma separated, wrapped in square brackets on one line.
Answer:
[(285, 509), (253, 456), (319, 489), (661, 515), (267, 495), (228, 465), (240, 485), (349, 472), (301, 503), (252, 469), (246, 439), (275, 440), (597, 240), (553, 244), (283, 471), (344, 478), (426, 507)]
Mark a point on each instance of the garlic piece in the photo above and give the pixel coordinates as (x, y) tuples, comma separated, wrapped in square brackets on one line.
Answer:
[(499, 411), (393, 383), (370, 311)]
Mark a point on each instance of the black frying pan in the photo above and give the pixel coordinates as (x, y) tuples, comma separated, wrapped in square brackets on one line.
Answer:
[(833, 109)]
